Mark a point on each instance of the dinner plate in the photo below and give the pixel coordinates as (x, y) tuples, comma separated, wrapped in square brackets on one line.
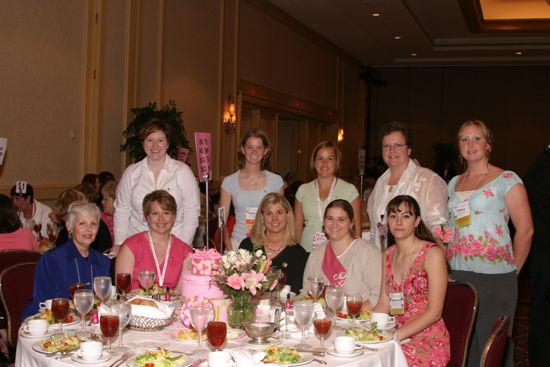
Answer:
[(40, 349), (76, 320), (387, 337), (187, 360), (333, 352), (104, 358), (306, 358), (148, 344)]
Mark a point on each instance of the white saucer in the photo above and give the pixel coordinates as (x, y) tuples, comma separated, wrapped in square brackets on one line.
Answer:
[(356, 353), (104, 358), (26, 335), (148, 344)]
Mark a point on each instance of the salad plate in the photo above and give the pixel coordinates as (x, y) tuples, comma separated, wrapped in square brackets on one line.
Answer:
[(160, 357), (287, 357), (367, 336), (355, 353), (57, 343)]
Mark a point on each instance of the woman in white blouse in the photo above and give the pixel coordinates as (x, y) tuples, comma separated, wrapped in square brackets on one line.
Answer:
[(405, 177), (154, 172)]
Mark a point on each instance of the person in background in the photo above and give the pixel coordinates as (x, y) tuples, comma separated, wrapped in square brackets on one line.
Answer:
[(31, 211), (404, 177), (108, 193), (104, 177), (74, 262), (154, 172), (537, 183), (482, 252), (91, 180), (157, 248), (415, 277), (273, 232), (345, 261), (102, 239), (246, 187), (312, 197), (12, 235)]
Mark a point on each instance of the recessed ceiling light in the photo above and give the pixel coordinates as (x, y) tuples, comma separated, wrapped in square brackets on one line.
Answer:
[(376, 14), (413, 54), (396, 37), (519, 53)]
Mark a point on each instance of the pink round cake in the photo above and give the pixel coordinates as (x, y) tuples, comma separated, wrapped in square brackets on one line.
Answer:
[(199, 285)]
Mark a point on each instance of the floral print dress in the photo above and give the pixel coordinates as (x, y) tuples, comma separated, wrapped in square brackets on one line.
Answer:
[(430, 347)]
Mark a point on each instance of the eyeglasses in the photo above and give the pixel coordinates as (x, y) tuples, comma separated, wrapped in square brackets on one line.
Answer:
[(395, 146)]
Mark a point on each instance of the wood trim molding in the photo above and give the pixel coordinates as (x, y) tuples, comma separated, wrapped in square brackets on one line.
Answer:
[(473, 14), (264, 96)]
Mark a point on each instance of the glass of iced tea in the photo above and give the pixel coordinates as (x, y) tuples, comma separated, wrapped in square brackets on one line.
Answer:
[(60, 310), (74, 287), (354, 302), (109, 326), (124, 283), (216, 331), (322, 325)]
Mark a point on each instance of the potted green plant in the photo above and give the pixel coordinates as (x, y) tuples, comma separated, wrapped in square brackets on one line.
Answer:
[(141, 115)]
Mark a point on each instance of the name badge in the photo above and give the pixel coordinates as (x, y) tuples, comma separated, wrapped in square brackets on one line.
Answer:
[(250, 216), (462, 213), (397, 303)]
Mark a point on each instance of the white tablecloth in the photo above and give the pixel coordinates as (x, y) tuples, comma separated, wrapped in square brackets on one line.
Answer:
[(389, 354)]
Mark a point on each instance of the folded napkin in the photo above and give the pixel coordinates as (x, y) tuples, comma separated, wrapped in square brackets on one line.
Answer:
[(245, 358), (163, 309)]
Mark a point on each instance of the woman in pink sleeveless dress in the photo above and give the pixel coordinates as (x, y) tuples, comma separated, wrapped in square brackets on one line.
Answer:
[(414, 284)]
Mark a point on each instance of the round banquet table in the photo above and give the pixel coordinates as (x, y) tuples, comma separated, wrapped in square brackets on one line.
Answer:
[(388, 354)]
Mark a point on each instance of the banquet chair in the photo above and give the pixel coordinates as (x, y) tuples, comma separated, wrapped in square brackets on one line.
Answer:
[(11, 257), (16, 286), (495, 348), (459, 314)]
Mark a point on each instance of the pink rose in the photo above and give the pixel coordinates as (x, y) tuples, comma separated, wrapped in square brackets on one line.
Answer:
[(235, 281)]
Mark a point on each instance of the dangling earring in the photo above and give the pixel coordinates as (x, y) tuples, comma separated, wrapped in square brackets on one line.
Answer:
[(416, 230)]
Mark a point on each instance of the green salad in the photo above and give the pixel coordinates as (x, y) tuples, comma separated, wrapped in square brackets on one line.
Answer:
[(61, 343), (275, 354), (158, 358), (362, 334)]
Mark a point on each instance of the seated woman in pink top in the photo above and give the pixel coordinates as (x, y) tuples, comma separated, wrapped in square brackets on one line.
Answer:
[(12, 235), (155, 249)]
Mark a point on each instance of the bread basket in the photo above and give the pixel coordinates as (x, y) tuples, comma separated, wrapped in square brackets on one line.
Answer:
[(143, 323), (147, 318)]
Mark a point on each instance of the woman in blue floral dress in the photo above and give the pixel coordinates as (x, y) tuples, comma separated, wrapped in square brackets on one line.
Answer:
[(482, 252)]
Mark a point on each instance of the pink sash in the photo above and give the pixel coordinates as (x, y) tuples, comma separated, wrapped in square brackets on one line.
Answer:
[(333, 268)]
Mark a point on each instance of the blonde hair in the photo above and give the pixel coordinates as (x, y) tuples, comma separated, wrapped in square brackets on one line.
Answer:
[(259, 230), (325, 144), (485, 131)]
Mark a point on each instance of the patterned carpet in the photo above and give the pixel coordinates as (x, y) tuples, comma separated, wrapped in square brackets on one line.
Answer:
[(521, 322)]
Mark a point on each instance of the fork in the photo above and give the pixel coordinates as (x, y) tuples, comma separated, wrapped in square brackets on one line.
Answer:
[(121, 360)]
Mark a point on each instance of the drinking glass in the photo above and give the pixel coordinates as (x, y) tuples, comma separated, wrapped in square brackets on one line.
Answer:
[(216, 331), (354, 302), (52, 230), (200, 315), (108, 322), (123, 310), (83, 302), (315, 287), (102, 287), (60, 309), (322, 325), (303, 314), (74, 287), (334, 296), (124, 283), (146, 279)]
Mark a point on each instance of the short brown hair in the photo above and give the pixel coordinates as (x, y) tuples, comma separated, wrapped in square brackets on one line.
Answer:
[(255, 133), (325, 144), (156, 125), (163, 197), (396, 126), (63, 201)]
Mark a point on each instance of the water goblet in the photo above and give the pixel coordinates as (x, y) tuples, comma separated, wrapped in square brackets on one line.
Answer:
[(200, 315), (216, 331), (108, 322), (303, 314), (354, 302), (60, 310), (124, 283), (124, 311), (322, 325), (315, 287), (83, 300), (102, 287), (146, 279), (334, 296)]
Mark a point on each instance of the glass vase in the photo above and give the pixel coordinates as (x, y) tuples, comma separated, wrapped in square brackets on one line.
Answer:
[(240, 310)]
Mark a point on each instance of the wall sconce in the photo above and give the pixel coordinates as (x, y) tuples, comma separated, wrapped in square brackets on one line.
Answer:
[(229, 116), (340, 135)]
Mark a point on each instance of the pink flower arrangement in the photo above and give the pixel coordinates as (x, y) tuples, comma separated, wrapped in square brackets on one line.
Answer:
[(244, 271)]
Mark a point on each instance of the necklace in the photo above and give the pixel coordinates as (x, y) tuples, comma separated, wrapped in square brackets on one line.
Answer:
[(273, 252), (477, 183)]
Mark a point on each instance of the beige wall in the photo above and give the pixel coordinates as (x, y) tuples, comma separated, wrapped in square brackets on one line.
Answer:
[(513, 101), (194, 52)]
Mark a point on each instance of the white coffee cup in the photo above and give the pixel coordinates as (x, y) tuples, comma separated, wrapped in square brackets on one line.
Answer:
[(218, 358), (344, 344), (36, 327), (381, 319), (90, 350), (46, 305)]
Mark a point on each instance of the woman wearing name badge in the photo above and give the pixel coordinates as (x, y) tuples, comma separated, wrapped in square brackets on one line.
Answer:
[(155, 172), (156, 249), (343, 260), (313, 197), (273, 233), (414, 285), (404, 177), (246, 187), (482, 252)]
